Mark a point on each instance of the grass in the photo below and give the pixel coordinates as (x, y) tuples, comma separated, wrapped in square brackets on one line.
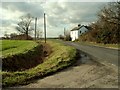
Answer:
[(12, 47), (61, 57), (115, 46), (0, 48)]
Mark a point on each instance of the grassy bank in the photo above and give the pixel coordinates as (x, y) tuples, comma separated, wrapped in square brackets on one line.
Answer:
[(25, 55), (23, 61), (61, 57), (114, 46)]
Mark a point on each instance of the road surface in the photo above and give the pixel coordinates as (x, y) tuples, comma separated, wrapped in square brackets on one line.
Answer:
[(104, 55)]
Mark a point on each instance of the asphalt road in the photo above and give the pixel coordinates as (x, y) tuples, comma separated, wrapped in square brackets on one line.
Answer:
[(104, 55)]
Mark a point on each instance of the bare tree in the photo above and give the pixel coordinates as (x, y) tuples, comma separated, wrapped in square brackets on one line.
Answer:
[(39, 34), (110, 18), (24, 26), (110, 14), (106, 28)]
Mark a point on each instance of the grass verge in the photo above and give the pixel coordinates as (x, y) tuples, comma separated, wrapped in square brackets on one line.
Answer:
[(61, 57), (114, 46)]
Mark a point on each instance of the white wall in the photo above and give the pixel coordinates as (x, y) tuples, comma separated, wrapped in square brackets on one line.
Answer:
[(74, 35)]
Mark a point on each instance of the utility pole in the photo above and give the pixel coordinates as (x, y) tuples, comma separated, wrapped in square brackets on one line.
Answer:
[(45, 27), (64, 31), (35, 26)]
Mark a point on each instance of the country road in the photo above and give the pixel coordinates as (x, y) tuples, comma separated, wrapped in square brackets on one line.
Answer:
[(104, 55), (85, 73)]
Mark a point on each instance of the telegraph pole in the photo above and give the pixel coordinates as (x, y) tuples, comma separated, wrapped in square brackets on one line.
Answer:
[(35, 26), (45, 27), (64, 31)]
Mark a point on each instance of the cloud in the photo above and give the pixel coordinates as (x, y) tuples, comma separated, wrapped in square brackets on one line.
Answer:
[(33, 8), (75, 12), (58, 14)]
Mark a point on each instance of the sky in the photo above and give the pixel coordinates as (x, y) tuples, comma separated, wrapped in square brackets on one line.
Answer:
[(59, 15)]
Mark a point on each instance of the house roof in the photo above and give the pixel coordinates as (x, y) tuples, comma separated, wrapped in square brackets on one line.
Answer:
[(77, 28)]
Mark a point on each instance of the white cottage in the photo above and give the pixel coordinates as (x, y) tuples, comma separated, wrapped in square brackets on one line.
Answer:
[(77, 31)]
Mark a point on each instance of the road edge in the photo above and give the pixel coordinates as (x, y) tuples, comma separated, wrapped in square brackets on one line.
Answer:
[(95, 59)]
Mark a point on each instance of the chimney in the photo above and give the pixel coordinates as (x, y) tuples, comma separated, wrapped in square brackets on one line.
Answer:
[(79, 25)]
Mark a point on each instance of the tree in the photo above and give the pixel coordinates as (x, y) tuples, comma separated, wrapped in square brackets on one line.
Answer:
[(67, 37), (110, 22), (24, 26), (110, 13), (106, 29), (61, 37), (12, 35), (39, 34)]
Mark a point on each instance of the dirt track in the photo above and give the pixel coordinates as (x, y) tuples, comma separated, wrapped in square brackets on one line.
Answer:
[(84, 74)]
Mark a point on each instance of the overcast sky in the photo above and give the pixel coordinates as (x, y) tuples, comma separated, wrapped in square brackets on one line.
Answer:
[(58, 15)]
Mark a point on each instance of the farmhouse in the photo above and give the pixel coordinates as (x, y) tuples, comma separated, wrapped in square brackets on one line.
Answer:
[(77, 31)]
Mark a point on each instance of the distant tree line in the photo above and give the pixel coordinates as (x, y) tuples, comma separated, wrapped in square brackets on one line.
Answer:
[(15, 36), (107, 29)]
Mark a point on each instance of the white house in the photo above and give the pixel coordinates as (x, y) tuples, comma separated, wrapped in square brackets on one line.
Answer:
[(77, 31)]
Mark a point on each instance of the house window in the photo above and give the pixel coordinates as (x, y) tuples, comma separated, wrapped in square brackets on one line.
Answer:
[(80, 32)]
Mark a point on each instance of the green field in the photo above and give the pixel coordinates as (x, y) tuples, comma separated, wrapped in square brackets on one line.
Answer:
[(11, 47)]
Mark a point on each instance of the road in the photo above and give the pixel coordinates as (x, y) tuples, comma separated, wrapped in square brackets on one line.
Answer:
[(103, 55)]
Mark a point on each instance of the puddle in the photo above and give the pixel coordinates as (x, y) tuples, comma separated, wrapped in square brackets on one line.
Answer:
[(83, 59)]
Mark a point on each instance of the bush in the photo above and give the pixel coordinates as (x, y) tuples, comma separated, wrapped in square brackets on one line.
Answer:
[(61, 37), (67, 38)]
